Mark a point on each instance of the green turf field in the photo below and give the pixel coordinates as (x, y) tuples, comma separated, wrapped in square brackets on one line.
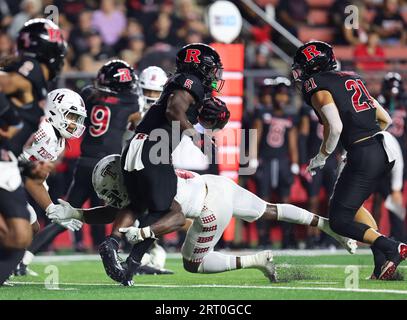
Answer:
[(301, 277)]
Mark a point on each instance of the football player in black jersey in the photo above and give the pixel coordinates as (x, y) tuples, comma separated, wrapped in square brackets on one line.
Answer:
[(110, 102), (277, 150), (148, 173), (394, 100), (350, 115), (41, 50)]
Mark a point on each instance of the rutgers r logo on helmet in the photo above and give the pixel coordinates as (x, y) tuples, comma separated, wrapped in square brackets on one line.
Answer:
[(311, 52), (192, 55), (124, 74)]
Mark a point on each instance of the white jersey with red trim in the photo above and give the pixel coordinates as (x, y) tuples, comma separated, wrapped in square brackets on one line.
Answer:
[(44, 145), (191, 192)]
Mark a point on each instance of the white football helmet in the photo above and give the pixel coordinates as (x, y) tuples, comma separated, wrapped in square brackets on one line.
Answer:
[(65, 108), (107, 180), (152, 79)]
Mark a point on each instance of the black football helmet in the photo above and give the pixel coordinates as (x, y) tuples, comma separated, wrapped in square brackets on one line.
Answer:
[(42, 40), (311, 58), (202, 61), (117, 76), (392, 85)]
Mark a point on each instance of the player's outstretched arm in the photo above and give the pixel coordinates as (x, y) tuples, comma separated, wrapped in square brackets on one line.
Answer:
[(324, 104), (177, 106), (172, 221)]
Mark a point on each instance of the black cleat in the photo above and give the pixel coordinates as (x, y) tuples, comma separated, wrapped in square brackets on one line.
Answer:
[(111, 260), (390, 266), (145, 269), (20, 270)]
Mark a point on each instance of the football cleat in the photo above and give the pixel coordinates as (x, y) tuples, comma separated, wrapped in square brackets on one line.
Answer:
[(266, 265), (148, 269), (111, 260), (23, 270), (349, 244), (390, 266)]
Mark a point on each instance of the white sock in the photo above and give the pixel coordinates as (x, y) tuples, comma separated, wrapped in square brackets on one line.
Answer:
[(28, 258), (215, 262), (249, 261), (293, 214)]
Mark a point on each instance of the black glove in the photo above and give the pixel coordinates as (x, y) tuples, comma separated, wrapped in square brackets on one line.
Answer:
[(214, 114)]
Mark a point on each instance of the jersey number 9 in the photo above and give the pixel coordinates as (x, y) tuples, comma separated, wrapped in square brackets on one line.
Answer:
[(100, 119)]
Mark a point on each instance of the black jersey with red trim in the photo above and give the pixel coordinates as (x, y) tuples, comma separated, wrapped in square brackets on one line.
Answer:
[(155, 118), (354, 103), (274, 138), (106, 121), (8, 117), (31, 70)]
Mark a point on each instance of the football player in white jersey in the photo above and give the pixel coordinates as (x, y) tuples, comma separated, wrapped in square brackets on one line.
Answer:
[(64, 119), (210, 201), (151, 84)]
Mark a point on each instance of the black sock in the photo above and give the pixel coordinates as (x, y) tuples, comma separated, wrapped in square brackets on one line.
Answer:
[(386, 245), (379, 259), (45, 237), (9, 259)]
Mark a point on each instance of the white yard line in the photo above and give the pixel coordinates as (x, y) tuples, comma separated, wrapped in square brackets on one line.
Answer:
[(271, 287)]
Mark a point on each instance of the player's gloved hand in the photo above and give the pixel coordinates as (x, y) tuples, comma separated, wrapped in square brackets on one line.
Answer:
[(215, 113), (70, 224), (317, 162), (295, 169), (135, 235), (63, 211), (305, 174)]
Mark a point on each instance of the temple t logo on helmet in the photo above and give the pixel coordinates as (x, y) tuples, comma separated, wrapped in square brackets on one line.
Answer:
[(192, 55), (311, 52)]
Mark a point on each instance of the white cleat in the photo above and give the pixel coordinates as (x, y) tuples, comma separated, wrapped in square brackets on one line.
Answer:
[(265, 264), (349, 244)]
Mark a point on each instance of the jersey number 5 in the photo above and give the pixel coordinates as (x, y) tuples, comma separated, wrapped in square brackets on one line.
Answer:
[(359, 90), (100, 119)]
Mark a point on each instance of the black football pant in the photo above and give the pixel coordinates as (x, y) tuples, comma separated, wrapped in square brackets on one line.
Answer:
[(367, 164)]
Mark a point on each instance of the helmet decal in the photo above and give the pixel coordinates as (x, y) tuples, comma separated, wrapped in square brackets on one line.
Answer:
[(124, 74), (192, 55), (311, 52)]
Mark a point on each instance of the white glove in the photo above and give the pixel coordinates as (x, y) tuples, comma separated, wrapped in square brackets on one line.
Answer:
[(135, 235), (317, 162), (63, 211), (70, 224), (253, 163), (295, 169)]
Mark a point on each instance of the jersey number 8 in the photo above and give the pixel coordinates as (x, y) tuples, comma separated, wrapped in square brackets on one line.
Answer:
[(100, 119)]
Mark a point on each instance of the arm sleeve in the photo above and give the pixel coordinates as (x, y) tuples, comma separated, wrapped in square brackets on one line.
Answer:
[(335, 126)]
